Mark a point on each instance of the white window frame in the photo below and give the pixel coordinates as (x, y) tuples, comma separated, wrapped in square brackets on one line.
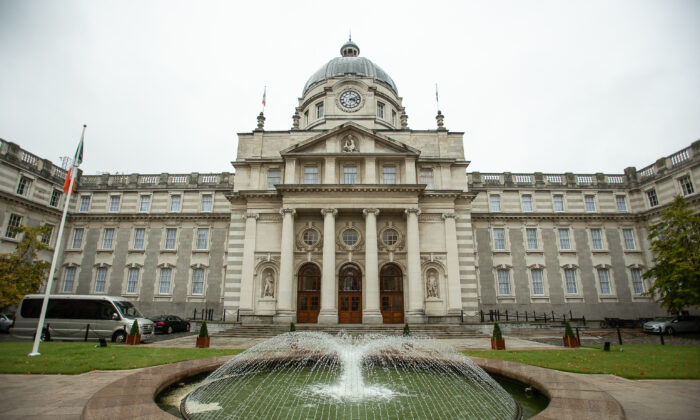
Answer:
[(132, 243), (80, 203), (97, 271), (141, 200), (545, 283), (624, 240), (594, 202), (171, 282), (64, 283), (537, 239), (55, 192), (429, 181), (648, 198), (319, 107), (680, 185), (495, 203), (109, 203), (9, 235), (180, 196), (572, 297), (82, 238), (103, 238), (127, 279), (563, 202), (192, 282), (572, 245), (624, 200), (611, 280), (506, 247), (201, 202), (603, 242), (196, 244), (522, 203), (48, 242), (510, 296), (304, 173), (634, 293), (348, 166), (27, 191), (380, 110), (396, 173), (165, 239), (270, 184)]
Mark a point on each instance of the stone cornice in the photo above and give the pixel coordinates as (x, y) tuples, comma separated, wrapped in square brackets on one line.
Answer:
[(126, 217), (558, 216), (382, 188), (32, 205)]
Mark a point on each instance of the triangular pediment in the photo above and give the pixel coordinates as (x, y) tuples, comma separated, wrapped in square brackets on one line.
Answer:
[(350, 138)]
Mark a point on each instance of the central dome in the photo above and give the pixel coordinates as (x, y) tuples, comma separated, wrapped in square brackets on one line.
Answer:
[(350, 63)]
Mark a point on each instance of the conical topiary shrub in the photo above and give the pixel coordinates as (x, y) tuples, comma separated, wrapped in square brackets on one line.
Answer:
[(570, 339), (203, 337), (406, 330), (134, 336), (292, 327), (497, 341)]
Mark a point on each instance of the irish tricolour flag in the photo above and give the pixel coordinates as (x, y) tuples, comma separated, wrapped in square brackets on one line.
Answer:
[(77, 160)]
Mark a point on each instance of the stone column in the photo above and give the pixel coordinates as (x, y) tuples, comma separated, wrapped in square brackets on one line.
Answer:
[(371, 313), (454, 289), (329, 310), (285, 313), (416, 293), (247, 303)]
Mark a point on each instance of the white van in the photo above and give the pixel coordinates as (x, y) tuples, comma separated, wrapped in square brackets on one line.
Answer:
[(69, 317)]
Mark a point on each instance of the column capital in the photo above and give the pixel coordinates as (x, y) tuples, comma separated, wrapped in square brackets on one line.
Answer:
[(375, 212), (409, 211), (250, 215), (285, 210), (449, 216), (334, 212)]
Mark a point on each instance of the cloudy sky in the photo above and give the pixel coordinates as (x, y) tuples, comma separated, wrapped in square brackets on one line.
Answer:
[(164, 86)]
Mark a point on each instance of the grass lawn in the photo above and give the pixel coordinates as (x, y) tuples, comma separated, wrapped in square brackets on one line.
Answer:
[(634, 362), (74, 358)]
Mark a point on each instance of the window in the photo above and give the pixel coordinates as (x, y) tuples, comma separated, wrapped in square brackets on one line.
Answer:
[(198, 281), (319, 110), (306, 117), (570, 276), (349, 174), (628, 235), (100, 280), (604, 280), (132, 280), (637, 283), (393, 117), (202, 238), (77, 238), (503, 282), (526, 202), (310, 175), (686, 185), (84, 203), (495, 202), (310, 237), (426, 177), (13, 222), (108, 238), (390, 237), (621, 203), (531, 234), (380, 110), (114, 203), (389, 174), (499, 238), (24, 185), (558, 202), (175, 202), (145, 203), (537, 283), (165, 275), (46, 239), (597, 238), (170, 236), (564, 241), (69, 279), (590, 202), (55, 198), (350, 237), (139, 236), (273, 178), (653, 200)]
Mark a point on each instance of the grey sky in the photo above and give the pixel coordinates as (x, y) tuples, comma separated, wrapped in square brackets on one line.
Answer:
[(553, 86)]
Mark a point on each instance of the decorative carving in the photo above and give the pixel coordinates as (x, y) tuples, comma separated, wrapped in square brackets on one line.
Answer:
[(314, 246), (396, 246), (349, 144), (417, 212), (286, 210), (365, 212), (334, 212), (250, 215), (358, 246), (449, 216)]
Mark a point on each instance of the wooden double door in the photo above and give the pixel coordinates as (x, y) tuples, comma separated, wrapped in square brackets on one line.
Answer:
[(350, 295), (308, 294), (391, 294)]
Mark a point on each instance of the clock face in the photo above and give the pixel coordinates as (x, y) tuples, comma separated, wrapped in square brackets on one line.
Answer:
[(350, 99)]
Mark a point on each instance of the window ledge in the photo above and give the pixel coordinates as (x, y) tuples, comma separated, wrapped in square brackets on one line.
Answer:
[(501, 251), (632, 251), (195, 298), (73, 250), (104, 250), (168, 251), (506, 299), (600, 251), (13, 240), (163, 298), (130, 294), (640, 298), (573, 299), (608, 298), (534, 251), (136, 251), (567, 251), (200, 251), (539, 299)]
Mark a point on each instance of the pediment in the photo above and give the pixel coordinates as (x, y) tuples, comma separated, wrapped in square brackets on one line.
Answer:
[(350, 138)]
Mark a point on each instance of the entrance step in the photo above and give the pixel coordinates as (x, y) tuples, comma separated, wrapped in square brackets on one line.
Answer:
[(430, 330)]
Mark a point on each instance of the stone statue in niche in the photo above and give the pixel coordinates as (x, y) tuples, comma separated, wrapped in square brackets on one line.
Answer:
[(432, 284), (349, 144), (269, 285)]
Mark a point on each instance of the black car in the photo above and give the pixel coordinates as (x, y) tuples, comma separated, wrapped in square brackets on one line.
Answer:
[(169, 324)]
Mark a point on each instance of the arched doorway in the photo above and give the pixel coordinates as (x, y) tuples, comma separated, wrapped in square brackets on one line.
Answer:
[(350, 295), (308, 294), (391, 294)]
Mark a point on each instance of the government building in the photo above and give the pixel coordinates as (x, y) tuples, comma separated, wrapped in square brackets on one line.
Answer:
[(351, 216)]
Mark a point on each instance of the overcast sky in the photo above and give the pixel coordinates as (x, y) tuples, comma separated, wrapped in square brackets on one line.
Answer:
[(164, 86)]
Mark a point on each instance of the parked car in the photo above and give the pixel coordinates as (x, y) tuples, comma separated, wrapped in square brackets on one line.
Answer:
[(672, 324), (169, 324), (5, 323)]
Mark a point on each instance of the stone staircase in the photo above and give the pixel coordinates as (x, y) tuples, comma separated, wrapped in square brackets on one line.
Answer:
[(430, 330)]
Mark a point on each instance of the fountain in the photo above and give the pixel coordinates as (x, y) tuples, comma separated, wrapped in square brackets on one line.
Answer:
[(313, 375)]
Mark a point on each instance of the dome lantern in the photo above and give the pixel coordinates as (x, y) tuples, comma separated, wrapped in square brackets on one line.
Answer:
[(349, 49)]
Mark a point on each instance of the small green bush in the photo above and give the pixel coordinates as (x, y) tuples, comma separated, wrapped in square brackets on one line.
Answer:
[(497, 334), (134, 328), (568, 332), (406, 330), (203, 331), (292, 327)]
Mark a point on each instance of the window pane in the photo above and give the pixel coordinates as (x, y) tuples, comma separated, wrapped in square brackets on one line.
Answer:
[(389, 174), (380, 110), (590, 203), (132, 280), (629, 238), (564, 242), (170, 235), (531, 238), (558, 203), (23, 186), (174, 203), (495, 201), (653, 200), (273, 178), (350, 174), (165, 274), (84, 202), (604, 281), (350, 237), (570, 275), (637, 283), (537, 284), (527, 202), (319, 110), (69, 279), (621, 203), (310, 175), (390, 236), (13, 222), (77, 238), (100, 280), (686, 185), (202, 238), (145, 203), (198, 281), (503, 282), (499, 238), (139, 235), (55, 198), (597, 239), (108, 238), (46, 239), (114, 203), (426, 177)]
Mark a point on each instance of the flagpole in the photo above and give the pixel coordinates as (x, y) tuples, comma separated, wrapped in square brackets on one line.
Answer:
[(49, 283)]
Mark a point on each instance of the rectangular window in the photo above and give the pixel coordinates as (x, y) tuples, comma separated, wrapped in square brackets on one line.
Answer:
[(590, 202), (139, 236), (637, 283), (77, 238), (132, 280), (13, 222), (570, 276), (393, 117), (499, 238), (46, 239), (165, 275), (69, 279), (114, 203), (349, 174), (380, 110), (604, 280), (531, 234), (503, 282), (310, 175), (108, 238), (202, 238), (564, 241), (145, 203), (273, 178), (537, 283), (621, 202), (686, 185), (389, 174), (198, 281), (653, 200), (207, 202), (24, 185), (100, 280), (526, 202), (558, 202), (175, 202), (597, 238), (426, 177), (495, 202), (55, 198), (170, 236), (628, 235), (319, 110), (84, 203)]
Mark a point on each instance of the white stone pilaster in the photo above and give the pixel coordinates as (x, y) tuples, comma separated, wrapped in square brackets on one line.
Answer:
[(371, 313), (246, 304), (285, 313), (329, 306), (415, 312), (454, 298)]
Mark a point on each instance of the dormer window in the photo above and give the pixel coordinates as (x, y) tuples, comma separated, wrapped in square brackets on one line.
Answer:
[(380, 110), (319, 110)]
